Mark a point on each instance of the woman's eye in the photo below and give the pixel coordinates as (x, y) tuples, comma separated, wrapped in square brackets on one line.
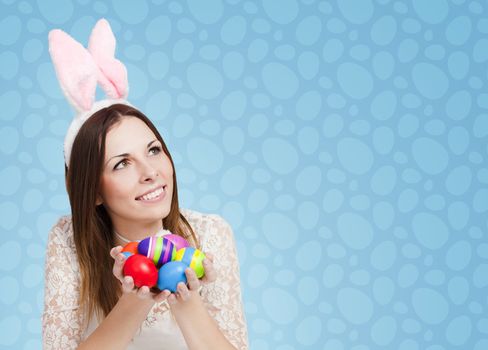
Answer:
[(155, 149), (123, 163), (120, 164)]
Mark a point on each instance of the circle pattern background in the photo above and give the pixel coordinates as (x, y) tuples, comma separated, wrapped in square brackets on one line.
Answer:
[(346, 143)]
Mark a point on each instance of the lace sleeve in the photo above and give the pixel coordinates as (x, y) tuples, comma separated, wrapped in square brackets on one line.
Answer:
[(61, 319), (223, 297)]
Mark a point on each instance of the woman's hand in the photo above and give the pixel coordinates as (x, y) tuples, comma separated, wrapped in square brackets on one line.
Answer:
[(182, 293), (127, 282), (185, 292)]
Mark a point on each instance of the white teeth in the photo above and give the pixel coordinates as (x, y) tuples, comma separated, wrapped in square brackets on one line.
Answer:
[(152, 195)]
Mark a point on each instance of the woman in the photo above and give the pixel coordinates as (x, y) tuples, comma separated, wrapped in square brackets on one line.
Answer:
[(122, 187), (118, 157)]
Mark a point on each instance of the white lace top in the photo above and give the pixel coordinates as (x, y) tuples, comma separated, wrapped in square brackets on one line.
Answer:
[(63, 321)]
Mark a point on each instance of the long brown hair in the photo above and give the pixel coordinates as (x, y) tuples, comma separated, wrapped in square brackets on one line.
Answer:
[(92, 226)]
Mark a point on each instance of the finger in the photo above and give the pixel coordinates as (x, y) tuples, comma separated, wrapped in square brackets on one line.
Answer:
[(210, 273), (183, 291), (192, 279), (127, 284), (143, 292), (117, 271), (120, 259), (118, 267), (116, 254), (172, 299), (162, 296), (115, 251)]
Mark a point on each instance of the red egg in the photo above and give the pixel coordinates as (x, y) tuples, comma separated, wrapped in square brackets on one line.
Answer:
[(142, 270)]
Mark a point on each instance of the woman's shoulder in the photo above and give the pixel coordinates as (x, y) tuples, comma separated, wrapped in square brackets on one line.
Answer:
[(62, 231), (64, 223), (206, 224), (199, 217)]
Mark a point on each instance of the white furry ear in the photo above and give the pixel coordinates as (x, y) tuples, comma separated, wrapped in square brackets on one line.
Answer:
[(75, 69), (112, 75), (78, 71)]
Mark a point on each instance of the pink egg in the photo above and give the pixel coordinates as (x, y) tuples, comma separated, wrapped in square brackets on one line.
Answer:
[(178, 241)]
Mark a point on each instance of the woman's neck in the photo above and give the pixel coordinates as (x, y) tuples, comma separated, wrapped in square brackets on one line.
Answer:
[(132, 233)]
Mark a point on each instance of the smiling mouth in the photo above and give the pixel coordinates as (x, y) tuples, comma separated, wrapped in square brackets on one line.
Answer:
[(156, 194)]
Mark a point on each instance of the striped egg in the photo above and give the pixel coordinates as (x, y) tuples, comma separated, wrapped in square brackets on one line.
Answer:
[(159, 249), (193, 258)]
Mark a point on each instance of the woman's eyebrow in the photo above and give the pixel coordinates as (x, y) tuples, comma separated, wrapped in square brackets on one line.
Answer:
[(127, 154)]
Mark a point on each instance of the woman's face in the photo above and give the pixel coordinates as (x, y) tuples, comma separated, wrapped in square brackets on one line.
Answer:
[(137, 177)]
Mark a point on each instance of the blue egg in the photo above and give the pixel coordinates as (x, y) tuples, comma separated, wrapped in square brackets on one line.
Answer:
[(127, 254), (170, 274)]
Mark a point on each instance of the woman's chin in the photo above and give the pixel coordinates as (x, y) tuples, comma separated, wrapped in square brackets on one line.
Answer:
[(154, 211)]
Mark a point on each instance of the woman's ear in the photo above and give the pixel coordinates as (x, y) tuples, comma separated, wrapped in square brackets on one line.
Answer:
[(99, 200)]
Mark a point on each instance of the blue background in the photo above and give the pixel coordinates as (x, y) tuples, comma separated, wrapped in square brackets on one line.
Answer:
[(346, 143)]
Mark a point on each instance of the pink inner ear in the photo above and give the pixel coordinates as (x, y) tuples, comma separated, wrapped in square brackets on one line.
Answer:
[(112, 77), (75, 68), (112, 73)]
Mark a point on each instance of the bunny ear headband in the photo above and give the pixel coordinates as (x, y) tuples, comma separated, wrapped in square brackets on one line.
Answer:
[(79, 70)]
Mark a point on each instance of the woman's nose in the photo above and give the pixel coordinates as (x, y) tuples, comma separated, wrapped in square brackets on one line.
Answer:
[(148, 172)]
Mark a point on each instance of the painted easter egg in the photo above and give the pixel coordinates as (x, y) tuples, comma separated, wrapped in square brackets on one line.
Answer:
[(193, 258), (178, 241), (142, 270), (159, 249), (170, 274), (130, 247), (127, 254)]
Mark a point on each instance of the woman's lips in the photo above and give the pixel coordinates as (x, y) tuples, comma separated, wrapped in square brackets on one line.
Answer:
[(154, 196)]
